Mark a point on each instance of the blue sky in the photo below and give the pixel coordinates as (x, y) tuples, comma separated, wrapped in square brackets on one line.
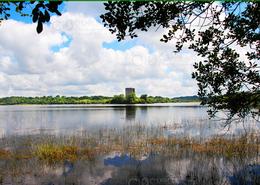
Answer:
[(28, 10), (115, 45), (75, 55)]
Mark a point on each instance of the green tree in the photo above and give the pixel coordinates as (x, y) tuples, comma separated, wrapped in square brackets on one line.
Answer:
[(143, 98), (118, 99), (131, 98), (215, 31)]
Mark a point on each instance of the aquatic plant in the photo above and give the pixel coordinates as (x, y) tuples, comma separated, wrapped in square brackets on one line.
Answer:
[(136, 140), (55, 153), (4, 154)]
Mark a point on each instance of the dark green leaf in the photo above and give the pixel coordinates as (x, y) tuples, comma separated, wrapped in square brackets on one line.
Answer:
[(47, 15), (57, 12), (35, 17), (39, 27)]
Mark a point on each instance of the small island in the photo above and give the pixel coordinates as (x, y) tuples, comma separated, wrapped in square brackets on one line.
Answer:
[(129, 97)]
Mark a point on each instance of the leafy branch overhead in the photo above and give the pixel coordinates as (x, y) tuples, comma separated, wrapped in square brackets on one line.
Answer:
[(217, 32), (41, 11)]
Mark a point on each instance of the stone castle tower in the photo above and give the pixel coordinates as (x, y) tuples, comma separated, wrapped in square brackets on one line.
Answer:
[(129, 90)]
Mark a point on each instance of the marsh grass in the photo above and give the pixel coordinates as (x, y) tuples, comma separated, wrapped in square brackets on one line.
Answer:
[(55, 153), (4, 154), (244, 146), (135, 140)]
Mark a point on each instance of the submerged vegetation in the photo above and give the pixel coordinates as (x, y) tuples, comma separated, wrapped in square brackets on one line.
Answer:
[(117, 99), (136, 141), (242, 147), (136, 148)]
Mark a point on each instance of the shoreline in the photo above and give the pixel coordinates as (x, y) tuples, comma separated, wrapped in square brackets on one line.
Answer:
[(109, 104)]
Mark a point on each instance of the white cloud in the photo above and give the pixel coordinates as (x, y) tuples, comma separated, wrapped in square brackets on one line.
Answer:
[(93, 9), (29, 66)]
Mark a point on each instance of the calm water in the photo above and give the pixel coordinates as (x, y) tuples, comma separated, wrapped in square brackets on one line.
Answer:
[(190, 119), (23, 126)]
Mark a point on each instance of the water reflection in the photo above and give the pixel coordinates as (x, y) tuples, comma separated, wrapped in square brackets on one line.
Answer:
[(124, 170), (21, 127), (191, 120), (149, 170), (130, 113), (125, 160), (248, 175)]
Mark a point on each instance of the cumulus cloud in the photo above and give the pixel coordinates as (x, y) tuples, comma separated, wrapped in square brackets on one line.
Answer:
[(80, 65)]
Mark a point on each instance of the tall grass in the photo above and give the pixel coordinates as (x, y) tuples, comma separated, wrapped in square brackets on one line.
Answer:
[(135, 140)]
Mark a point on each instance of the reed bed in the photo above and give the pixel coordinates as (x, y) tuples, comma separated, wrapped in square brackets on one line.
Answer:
[(135, 140)]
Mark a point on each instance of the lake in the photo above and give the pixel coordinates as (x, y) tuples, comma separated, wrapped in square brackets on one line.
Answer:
[(191, 118), (155, 144)]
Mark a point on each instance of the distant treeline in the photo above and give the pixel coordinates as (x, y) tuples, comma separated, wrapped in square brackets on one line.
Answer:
[(117, 99)]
